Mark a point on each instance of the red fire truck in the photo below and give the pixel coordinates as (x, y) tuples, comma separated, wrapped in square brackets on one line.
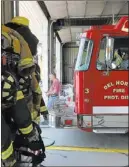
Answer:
[(101, 79)]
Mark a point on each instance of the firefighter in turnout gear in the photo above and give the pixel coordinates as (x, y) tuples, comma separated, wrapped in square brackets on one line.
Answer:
[(29, 85), (17, 61), (118, 58)]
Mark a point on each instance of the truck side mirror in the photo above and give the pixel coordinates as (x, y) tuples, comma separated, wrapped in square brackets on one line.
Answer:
[(109, 51)]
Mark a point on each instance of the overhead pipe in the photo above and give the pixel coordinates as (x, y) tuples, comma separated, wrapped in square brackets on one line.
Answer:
[(62, 59), (113, 19), (51, 44), (81, 22), (15, 8)]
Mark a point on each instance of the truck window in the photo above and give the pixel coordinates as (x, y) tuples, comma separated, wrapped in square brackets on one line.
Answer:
[(84, 55), (120, 56)]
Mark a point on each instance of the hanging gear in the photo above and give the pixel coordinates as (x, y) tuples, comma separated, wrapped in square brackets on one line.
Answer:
[(36, 106), (32, 146), (37, 72), (18, 112), (9, 88), (21, 25), (18, 25), (24, 83), (7, 151), (43, 108), (37, 95), (21, 117), (19, 46), (20, 21)]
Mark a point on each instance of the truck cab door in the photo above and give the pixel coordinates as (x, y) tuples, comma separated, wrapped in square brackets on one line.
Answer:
[(83, 80), (110, 101)]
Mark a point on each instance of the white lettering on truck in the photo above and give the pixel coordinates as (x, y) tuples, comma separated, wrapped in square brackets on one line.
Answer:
[(111, 97), (122, 83), (124, 97), (117, 91), (108, 85)]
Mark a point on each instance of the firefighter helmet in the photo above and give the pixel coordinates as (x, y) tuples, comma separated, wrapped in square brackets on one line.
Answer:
[(21, 21)]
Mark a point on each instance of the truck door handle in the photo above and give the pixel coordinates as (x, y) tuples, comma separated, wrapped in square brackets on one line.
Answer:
[(105, 73)]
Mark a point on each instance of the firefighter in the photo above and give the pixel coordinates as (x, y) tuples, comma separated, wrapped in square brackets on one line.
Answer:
[(120, 59), (17, 60), (125, 62), (125, 59), (33, 94), (117, 59)]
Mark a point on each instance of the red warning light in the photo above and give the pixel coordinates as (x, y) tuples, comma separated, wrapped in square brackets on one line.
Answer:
[(68, 122)]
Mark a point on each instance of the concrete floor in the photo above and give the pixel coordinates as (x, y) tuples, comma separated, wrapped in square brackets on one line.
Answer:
[(78, 138), (63, 158)]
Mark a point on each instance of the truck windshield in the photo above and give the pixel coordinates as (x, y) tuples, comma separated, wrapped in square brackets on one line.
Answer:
[(84, 55)]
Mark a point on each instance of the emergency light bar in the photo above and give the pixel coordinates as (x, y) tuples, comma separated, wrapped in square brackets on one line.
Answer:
[(123, 24), (125, 27)]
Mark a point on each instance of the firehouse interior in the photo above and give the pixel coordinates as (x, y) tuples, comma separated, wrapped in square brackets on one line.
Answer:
[(64, 83)]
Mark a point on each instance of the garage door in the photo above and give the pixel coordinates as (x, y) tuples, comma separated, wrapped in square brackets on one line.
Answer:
[(39, 26), (32, 10)]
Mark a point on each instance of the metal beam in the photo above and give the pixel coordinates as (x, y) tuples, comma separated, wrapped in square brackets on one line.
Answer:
[(67, 9), (44, 9), (86, 3), (58, 37), (15, 8), (60, 23), (68, 18)]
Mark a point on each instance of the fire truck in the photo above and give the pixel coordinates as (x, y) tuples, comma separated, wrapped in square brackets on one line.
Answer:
[(101, 79), (100, 82)]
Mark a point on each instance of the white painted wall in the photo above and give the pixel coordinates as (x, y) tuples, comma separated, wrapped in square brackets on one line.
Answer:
[(39, 26)]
